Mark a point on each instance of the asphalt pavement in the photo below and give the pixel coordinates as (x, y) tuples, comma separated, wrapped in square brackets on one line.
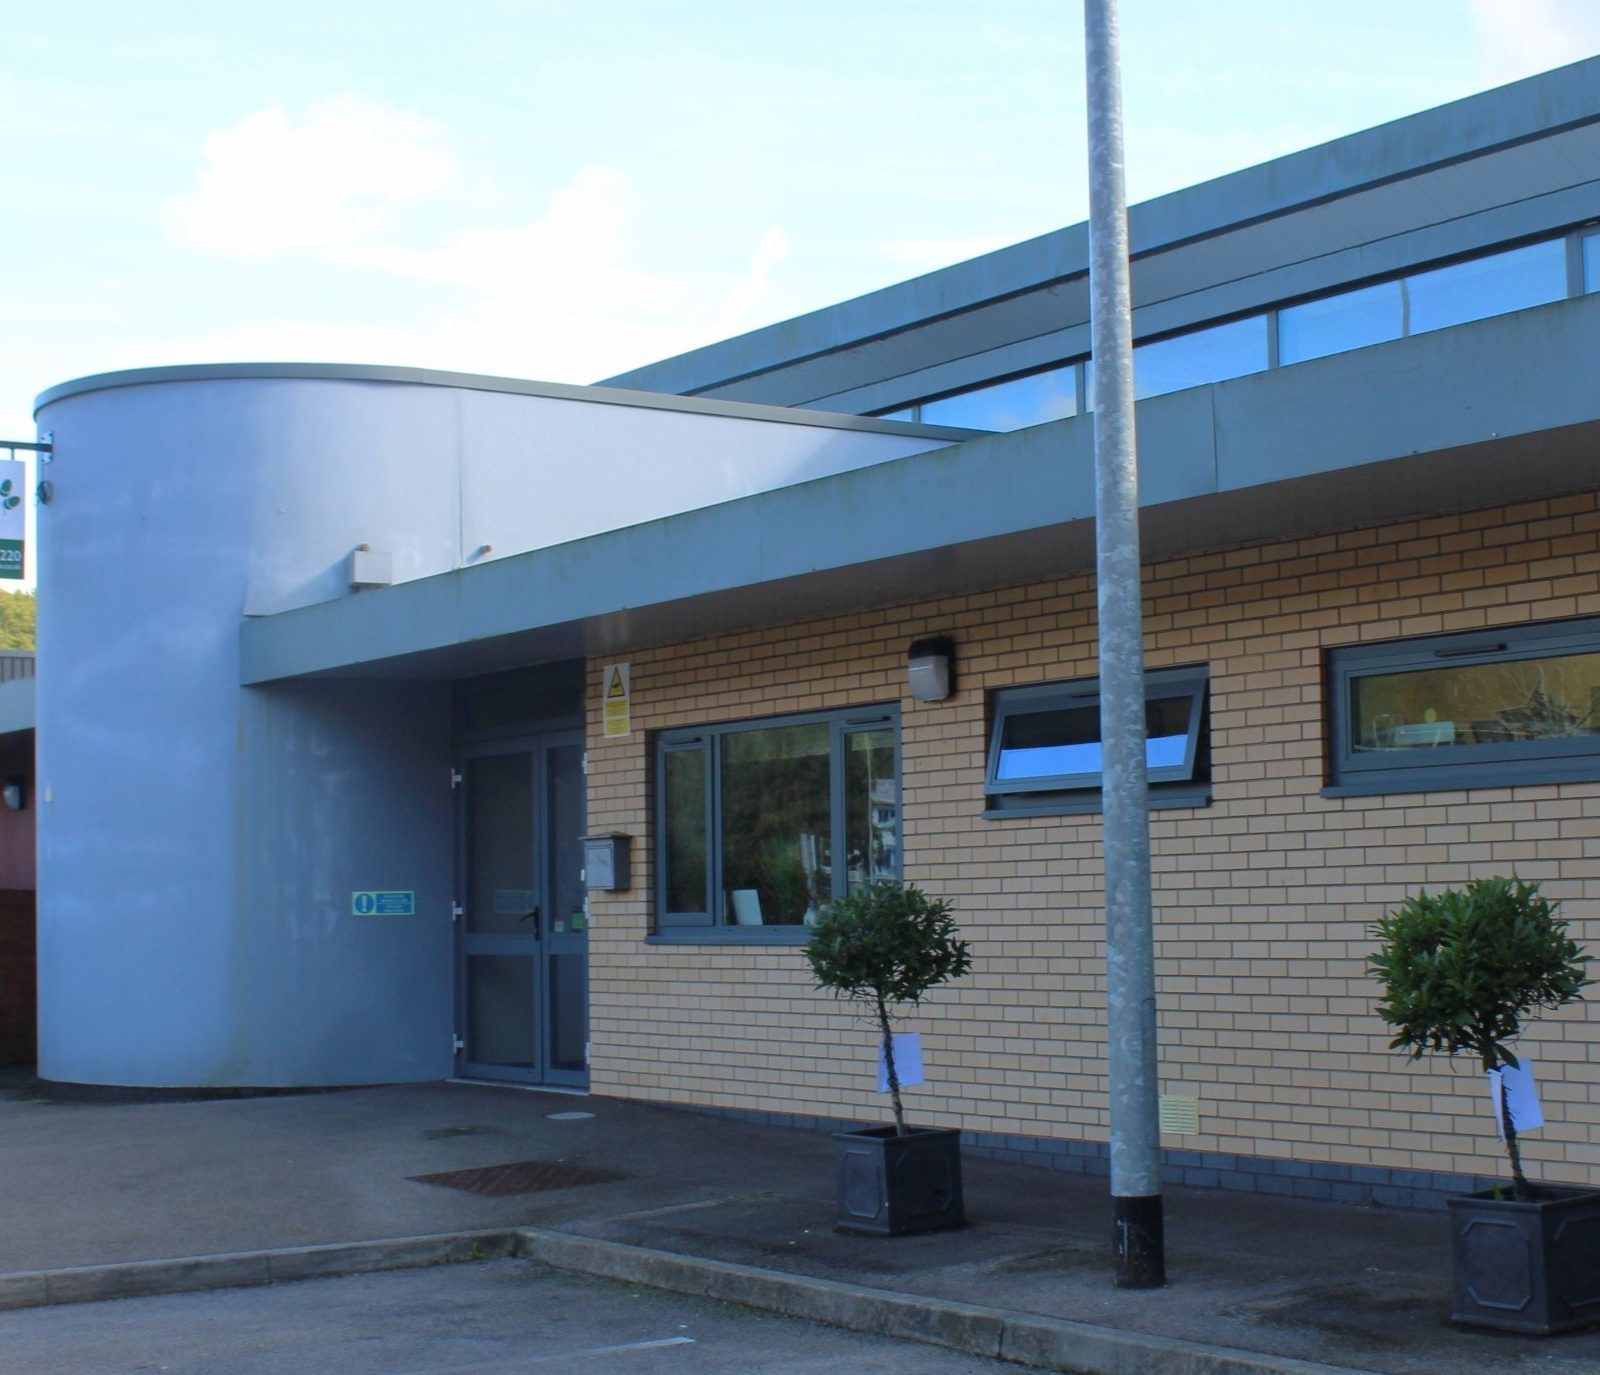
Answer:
[(106, 1199), (502, 1317)]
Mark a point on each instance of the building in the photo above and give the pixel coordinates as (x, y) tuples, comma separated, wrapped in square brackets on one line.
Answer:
[(338, 665), (17, 960)]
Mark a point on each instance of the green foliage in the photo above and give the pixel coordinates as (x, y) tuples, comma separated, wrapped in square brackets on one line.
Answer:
[(885, 945), (17, 614), (1462, 968)]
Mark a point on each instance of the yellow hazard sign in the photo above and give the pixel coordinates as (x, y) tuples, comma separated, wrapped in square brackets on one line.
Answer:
[(617, 700)]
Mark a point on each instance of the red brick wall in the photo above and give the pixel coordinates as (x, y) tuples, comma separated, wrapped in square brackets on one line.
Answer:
[(16, 828)]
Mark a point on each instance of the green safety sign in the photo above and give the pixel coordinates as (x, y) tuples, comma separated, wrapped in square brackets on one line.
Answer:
[(383, 902)]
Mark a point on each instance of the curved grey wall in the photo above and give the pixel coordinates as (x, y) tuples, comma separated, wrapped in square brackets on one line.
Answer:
[(199, 842)]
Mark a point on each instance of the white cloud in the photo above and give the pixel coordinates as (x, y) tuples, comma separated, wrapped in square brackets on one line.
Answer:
[(570, 258), (772, 250), (1517, 38), (566, 296), (271, 185)]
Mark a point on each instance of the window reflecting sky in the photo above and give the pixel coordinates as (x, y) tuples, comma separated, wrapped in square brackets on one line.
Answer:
[(1207, 355), (1012, 405), (1495, 285), (1335, 324)]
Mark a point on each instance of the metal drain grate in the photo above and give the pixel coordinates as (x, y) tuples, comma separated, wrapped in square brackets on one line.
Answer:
[(519, 1177)]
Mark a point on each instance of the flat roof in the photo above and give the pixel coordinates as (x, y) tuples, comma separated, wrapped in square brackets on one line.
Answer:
[(1371, 162), (470, 381), (1486, 413)]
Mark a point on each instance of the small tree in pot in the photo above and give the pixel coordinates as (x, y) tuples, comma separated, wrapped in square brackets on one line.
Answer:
[(885, 945), (1460, 971)]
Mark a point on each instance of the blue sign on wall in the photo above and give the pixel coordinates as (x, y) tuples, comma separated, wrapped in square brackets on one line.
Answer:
[(383, 903)]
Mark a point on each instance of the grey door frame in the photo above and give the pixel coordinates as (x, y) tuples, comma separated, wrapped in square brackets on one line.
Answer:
[(538, 746)]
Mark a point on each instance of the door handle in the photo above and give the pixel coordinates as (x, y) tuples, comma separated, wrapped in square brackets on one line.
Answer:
[(532, 914)]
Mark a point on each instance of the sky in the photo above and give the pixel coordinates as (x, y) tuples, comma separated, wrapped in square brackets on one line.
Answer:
[(538, 188)]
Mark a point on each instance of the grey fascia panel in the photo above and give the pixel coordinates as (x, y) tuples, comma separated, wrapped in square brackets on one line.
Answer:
[(1415, 401), (1510, 115), (463, 381), (793, 532), (1515, 374)]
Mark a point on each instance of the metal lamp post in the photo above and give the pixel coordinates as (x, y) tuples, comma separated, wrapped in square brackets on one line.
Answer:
[(1130, 941)]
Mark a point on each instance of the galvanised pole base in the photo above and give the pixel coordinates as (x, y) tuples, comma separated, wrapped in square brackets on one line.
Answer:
[(1140, 1242)]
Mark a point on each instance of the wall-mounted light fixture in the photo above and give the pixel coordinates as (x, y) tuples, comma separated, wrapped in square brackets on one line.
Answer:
[(370, 567), (15, 793), (930, 665)]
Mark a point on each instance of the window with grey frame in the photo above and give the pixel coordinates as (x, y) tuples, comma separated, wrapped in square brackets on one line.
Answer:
[(760, 824), (1497, 281), (1516, 704), (1045, 753)]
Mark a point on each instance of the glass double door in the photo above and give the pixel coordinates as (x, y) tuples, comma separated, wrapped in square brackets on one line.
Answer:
[(523, 963)]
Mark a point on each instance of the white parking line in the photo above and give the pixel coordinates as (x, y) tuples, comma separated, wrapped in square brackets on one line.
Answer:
[(525, 1362)]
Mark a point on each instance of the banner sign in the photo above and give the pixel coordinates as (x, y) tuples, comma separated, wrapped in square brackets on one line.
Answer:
[(13, 516)]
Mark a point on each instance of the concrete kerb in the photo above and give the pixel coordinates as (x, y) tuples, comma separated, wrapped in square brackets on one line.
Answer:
[(185, 1274), (997, 1333), (1030, 1339)]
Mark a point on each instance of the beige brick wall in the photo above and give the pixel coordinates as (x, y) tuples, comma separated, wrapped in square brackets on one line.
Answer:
[(1263, 898)]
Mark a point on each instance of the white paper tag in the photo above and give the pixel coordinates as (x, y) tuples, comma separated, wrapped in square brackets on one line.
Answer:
[(1523, 1097), (907, 1061)]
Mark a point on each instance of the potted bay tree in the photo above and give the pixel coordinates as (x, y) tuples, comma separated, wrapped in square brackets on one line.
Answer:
[(883, 946), (1460, 971)]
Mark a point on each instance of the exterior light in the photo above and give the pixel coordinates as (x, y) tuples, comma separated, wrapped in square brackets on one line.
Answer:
[(15, 793), (930, 667)]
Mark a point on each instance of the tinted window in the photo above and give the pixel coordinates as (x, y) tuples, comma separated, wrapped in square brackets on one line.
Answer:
[(1045, 748), (776, 823), (761, 826), (1516, 705), (683, 822), (1012, 405), (1335, 324), (1207, 355), (1494, 285)]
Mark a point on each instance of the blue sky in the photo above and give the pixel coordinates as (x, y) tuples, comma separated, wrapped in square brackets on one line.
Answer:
[(562, 190)]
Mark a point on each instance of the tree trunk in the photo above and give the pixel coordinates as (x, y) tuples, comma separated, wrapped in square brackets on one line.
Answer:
[(888, 1060), (1520, 1188)]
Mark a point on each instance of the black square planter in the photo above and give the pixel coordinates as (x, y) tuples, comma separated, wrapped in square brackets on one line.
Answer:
[(892, 1185), (1527, 1267)]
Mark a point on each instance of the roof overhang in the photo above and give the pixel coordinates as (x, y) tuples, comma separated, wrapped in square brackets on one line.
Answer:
[(1497, 411)]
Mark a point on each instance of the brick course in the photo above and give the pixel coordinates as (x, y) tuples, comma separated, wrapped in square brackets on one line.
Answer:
[(1263, 898)]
